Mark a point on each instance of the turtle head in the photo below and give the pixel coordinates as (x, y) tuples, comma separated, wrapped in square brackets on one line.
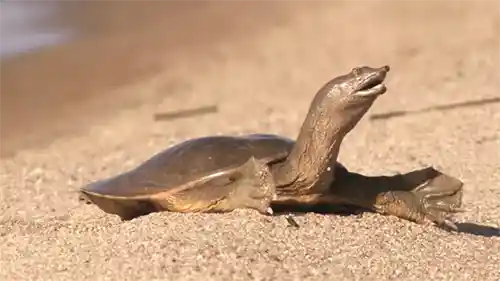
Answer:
[(361, 83), (347, 97)]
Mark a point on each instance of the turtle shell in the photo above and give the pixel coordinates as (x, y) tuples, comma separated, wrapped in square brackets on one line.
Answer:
[(182, 168)]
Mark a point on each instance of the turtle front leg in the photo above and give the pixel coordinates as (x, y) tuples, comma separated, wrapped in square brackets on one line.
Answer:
[(423, 196), (250, 186)]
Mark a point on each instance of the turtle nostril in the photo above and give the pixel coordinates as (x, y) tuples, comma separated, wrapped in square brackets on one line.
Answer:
[(386, 68)]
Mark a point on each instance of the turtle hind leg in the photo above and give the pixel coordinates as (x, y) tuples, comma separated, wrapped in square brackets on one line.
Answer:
[(434, 200)]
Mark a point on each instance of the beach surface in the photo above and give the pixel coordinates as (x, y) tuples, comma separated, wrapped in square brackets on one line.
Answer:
[(82, 110)]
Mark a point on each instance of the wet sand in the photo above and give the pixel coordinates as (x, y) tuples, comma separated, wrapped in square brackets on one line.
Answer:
[(84, 110)]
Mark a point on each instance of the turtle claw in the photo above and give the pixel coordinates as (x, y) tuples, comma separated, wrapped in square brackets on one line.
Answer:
[(438, 206), (434, 201), (450, 224), (439, 216), (263, 209)]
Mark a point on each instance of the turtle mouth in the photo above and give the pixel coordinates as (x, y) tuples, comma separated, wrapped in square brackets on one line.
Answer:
[(373, 90), (373, 84)]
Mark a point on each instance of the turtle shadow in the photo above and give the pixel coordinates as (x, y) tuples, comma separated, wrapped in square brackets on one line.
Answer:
[(348, 210), (478, 229), (323, 209), (464, 104)]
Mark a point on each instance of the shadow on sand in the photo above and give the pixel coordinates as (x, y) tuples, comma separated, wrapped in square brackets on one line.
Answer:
[(478, 229), (399, 113)]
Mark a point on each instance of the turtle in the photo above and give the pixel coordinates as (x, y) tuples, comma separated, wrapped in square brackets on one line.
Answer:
[(264, 171)]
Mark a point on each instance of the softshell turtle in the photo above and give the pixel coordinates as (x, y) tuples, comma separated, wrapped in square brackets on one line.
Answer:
[(260, 171)]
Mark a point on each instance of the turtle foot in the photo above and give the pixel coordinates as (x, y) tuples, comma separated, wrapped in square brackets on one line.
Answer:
[(433, 201), (262, 204)]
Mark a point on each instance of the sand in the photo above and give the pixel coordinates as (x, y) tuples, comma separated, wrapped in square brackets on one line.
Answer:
[(441, 53)]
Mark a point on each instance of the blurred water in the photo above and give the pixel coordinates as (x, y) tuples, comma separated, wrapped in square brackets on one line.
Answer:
[(29, 25), (61, 58)]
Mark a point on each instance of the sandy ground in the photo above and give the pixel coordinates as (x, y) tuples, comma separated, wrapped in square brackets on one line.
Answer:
[(441, 53)]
